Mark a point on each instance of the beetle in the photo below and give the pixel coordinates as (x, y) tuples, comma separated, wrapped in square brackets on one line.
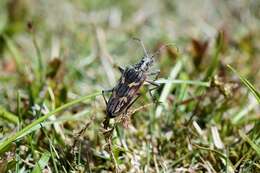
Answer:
[(126, 92)]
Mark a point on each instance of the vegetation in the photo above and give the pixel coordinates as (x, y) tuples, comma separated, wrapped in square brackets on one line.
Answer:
[(57, 56)]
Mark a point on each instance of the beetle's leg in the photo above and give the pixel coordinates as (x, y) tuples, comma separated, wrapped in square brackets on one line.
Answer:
[(103, 94), (106, 122), (133, 101), (150, 90), (152, 96), (152, 83), (154, 73)]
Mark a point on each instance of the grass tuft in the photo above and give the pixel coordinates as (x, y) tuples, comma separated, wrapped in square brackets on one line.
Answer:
[(30, 128)]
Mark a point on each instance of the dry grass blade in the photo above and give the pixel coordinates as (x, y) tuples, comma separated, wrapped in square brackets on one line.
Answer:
[(105, 57)]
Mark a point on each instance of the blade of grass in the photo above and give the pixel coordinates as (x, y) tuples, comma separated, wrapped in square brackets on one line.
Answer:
[(51, 122), (167, 88), (41, 119), (105, 57), (224, 158), (14, 51), (188, 82), (244, 111), (17, 159), (53, 153), (8, 115), (180, 94), (40, 67), (177, 161), (42, 162), (215, 61), (251, 88), (250, 142)]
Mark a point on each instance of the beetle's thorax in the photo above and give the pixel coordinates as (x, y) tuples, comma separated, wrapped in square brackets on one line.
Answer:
[(144, 64)]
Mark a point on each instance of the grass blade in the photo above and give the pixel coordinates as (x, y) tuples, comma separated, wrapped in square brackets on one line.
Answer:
[(8, 115), (188, 82), (42, 162), (43, 118), (251, 88), (14, 51), (250, 142), (40, 67), (168, 87), (214, 62)]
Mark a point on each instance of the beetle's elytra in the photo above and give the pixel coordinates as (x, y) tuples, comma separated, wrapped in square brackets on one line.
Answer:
[(126, 92)]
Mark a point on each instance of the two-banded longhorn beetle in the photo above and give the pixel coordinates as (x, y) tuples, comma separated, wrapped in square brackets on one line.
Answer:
[(126, 92)]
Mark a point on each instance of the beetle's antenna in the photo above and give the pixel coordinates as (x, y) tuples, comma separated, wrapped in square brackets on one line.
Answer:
[(141, 42), (163, 47)]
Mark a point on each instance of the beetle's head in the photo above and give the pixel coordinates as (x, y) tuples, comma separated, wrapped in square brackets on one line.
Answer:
[(147, 60), (145, 63)]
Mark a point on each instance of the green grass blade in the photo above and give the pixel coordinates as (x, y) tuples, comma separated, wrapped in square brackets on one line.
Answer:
[(52, 149), (43, 118), (40, 67), (42, 162), (168, 87), (251, 88), (214, 63), (8, 115), (223, 157), (188, 82), (250, 142)]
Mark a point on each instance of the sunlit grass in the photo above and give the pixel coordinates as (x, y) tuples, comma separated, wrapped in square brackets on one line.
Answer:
[(55, 54)]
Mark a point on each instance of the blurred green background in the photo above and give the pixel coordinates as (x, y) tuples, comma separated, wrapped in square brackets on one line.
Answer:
[(52, 52)]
